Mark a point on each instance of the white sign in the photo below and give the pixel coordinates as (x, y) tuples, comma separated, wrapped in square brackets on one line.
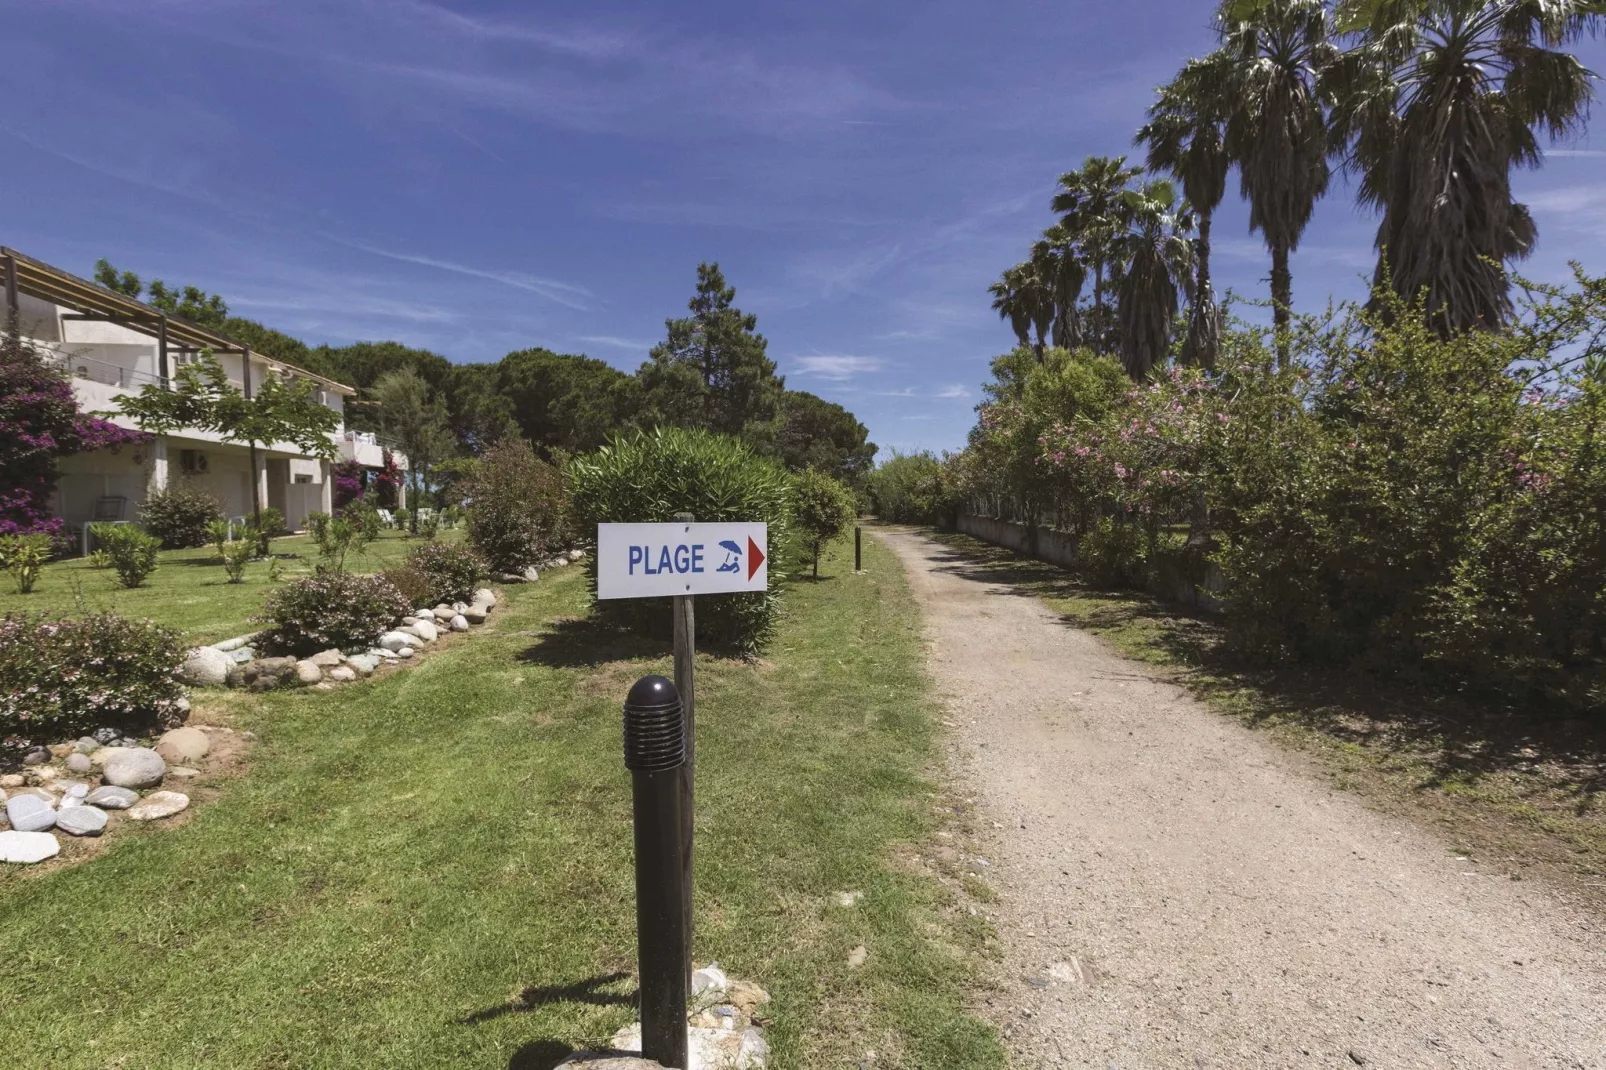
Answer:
[(659, 560)]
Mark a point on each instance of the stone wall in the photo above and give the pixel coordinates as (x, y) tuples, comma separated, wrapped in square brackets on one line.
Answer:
[(1179, 577)]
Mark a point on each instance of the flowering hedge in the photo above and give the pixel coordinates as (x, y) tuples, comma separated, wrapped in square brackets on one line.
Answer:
[(63, 676), (1394, 498), (39, 423)]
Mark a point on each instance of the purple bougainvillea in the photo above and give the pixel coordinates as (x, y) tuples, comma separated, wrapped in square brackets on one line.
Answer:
[(388, 482), (40, 422), (350, 483)]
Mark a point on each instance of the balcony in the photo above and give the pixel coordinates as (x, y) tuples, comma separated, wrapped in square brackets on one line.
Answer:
[(368, 449), (91, 370)]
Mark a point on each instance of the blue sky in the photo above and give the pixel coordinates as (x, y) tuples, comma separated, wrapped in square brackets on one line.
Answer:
[(480, 177)]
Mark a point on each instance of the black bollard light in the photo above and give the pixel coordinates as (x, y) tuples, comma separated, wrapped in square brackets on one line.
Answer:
[(857, 564), (655, 752)]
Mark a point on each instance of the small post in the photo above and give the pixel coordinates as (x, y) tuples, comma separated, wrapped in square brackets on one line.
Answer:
[(858, 549), (655, 754), (685, 628)]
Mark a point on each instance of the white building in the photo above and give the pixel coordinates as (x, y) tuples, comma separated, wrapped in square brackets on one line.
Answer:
[(112, 346)]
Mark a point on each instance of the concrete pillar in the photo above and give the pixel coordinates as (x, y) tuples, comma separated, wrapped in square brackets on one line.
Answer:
[(156, 482), (262, 479), (326, 491)]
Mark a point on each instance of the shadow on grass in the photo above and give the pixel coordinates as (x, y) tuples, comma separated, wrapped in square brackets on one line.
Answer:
[(1460, 738), (586, 642), (539, 1055), (588, 991)]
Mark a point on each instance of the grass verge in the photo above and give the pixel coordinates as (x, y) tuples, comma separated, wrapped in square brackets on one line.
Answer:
[(434, 868), (1516, 788), (189, 589)]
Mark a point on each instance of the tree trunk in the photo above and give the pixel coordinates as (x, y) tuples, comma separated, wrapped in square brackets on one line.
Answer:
[(412, 522), (1282, 299), (256, 504), (1098, 307), (1203, 337), (816, 560)]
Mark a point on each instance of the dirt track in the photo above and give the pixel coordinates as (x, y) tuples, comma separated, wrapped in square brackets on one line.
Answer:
[(1176, 892)]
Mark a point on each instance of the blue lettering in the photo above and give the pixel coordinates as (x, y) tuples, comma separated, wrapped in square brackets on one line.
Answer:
[(682, 558), (697, 558), (664, 564), (637, 556)]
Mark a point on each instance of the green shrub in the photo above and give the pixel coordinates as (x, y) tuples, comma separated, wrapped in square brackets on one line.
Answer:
[(337, 536), (429, 528), (1112, 554), (415, 586), (24, 557), (238, 554), (218, 533), (271, 522), (132, 552), (179, 516), (516, 508), (649, 477), (823, 508), (59, 677), (452, 572), (909, 488), (332, 609)]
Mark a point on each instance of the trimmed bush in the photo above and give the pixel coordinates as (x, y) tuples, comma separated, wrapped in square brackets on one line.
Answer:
[(648, 478), (132, 552), (179, 516), (414, 584), (452, 572), (333, 609), (58, 677), (824, 508), (516, 509), (272, 522)]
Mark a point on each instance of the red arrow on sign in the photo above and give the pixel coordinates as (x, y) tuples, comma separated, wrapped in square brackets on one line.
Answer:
[(755, 557)]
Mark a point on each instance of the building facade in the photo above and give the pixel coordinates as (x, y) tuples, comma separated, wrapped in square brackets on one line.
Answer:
[(112, 346)]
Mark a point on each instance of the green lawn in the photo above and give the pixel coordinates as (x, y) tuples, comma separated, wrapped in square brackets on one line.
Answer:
[(189, 590), (411, 863)]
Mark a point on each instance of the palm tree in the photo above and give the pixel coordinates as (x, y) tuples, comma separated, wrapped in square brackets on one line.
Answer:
[(1089, 203), (1158, 258), (1059, 264), (1024, 299), (1186, 135), (1277, 133), (1436, 104)]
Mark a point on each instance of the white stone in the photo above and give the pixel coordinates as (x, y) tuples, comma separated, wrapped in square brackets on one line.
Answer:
[(159, 804), (326, 659), (362, 664), (236, 643), (182, 745), (532, 574), (343, 674), (207, 666), (79, 763), (424, 630), (394, 641), (183, 772), (475, 614), (485, 597), (460, 623), (26, 848), (308, 673), (110, 798), (134, 767), (405, 652), (706, 1049), (30, 813), (424, 614), (82, 821), (575, 555), (444, 612), (709, 979)]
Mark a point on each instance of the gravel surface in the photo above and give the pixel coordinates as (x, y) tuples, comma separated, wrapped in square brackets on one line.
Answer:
[(1174, 891)]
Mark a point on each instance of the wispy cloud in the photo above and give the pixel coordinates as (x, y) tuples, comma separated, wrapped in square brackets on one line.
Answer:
[(571, 296), (1593, 154), (615, 342), (954, 391), (838, 368)]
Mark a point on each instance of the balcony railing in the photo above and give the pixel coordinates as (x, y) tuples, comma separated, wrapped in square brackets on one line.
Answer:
[(100, 371)]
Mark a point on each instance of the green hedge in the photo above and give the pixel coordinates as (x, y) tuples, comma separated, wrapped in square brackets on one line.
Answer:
[(650, 477)]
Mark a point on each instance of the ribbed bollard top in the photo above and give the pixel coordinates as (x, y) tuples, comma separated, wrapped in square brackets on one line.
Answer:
[(655, 729)]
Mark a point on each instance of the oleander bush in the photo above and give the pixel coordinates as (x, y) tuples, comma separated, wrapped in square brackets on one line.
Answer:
[(415, 586), (331, 609), (180, 516), (24, 558), (651, 476), (516, 507), (133, 553), (452, 573), (60, 676)]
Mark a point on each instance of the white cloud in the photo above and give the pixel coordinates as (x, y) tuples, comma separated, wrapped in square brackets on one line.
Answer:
[(954, 391), (615, 342), (1588, 153), (838, 368), (563, 293)]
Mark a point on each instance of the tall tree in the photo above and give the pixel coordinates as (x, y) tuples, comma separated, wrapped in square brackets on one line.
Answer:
[(1061, 267), (1089, 204), (1158, 258), (416, 418), (187, 302), (1278, 133), (564, 402), (713, 370), (1023, 298), (1437, 103), (823, 435), (1186, 135)]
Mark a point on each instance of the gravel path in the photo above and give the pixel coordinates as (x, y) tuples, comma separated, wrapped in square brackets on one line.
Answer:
[(1176, 892)]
